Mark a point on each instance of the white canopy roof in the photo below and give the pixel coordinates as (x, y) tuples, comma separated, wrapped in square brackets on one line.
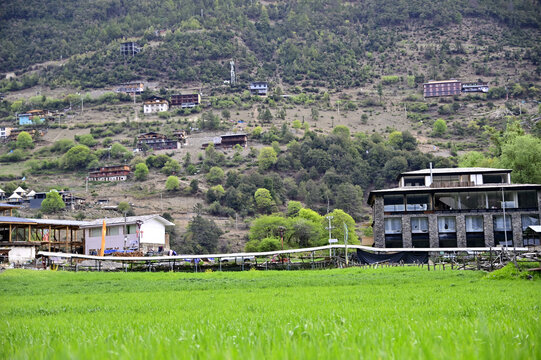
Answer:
[(14, 196), (20, 190)]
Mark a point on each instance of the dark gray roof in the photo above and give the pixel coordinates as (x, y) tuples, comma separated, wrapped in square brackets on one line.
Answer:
[(465, 170)]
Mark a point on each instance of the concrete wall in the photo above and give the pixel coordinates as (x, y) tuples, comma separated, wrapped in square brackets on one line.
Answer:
[(21, 254)]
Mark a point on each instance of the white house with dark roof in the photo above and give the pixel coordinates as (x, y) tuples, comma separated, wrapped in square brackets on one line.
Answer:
[(146, 233)]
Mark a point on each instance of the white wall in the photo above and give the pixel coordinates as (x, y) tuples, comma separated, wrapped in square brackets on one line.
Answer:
[(153, 232), (21, 254)]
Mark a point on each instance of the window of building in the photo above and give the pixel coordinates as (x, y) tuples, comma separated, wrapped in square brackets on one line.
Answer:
[(414, 181), (527, 199), (96, 232), (131, 229), (393, 226), (419, 225), (494, 178), (472, 200), (393, 203), (503, 232), (500, 224), (446, 201), (419, 232), (447, 231), (417, 202), (446, 224), (113, 230), (474, 224), (529, 220)]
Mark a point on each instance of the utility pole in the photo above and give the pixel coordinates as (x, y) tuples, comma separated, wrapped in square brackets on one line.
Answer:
[(346, 242), (329, 218)]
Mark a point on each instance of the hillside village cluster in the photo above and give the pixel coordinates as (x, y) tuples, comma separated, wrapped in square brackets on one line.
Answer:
[(431, 208)]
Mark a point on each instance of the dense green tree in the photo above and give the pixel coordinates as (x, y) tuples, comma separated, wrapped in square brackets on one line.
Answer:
[(172, 183), (263, 200), (267, 158), (24, 141), (171, 167), (202, 236), (78, 157), (215, 175), (124, 207), (293, 208), (439, 128), (52, 203), (86, 139), (523, 155), (141, 171)]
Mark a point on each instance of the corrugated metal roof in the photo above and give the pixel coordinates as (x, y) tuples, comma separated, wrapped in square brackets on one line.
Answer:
[(16, 220), (127, 220)]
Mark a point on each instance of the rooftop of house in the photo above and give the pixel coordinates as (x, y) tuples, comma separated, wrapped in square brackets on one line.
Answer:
[(456, 171), (126, 220), (441, 81)]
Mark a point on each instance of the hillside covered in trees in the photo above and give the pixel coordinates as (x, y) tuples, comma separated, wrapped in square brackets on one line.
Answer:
[(321, 43)]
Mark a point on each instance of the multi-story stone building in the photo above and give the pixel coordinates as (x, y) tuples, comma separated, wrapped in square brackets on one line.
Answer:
[(462, 207)]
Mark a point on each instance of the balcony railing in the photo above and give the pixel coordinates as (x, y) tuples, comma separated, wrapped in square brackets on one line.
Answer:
[(449, 184)]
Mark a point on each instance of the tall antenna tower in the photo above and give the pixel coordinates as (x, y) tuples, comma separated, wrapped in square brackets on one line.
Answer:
[(233, 74)]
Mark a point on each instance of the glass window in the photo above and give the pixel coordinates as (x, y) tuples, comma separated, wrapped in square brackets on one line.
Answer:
[(393, 226), (446, 224), (114, 230), (494, 178), (414, 181), (499, 223), (130, 229), (529, 220), (96, 232), (393, 203), (473, 200), (419, 225), (474, 224), (419, 202), (446, 201), (494, 199), (527, 199)]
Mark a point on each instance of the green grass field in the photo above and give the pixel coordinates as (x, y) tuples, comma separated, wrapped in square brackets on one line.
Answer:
[(402, 313)]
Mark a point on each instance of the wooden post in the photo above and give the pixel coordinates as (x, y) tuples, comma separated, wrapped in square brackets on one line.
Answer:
[(490, 259), (9, 232), (49, 237), (67, 240), (29, 232)]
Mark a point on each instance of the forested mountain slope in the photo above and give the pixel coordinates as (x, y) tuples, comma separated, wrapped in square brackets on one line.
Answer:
[(326, 43)]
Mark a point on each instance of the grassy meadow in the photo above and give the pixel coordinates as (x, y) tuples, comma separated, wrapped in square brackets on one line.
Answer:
[(340, 314)]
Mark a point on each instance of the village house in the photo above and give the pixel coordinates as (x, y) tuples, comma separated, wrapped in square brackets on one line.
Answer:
[(442, 88), (15, 133), (5, 132), (186, 100), (145, 233), (131, 88), (228, 141), (156, 141), (155, 104), (129, 48), (449, 208), (32, 117), (259, 88), (110, 173), (475, 87)]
